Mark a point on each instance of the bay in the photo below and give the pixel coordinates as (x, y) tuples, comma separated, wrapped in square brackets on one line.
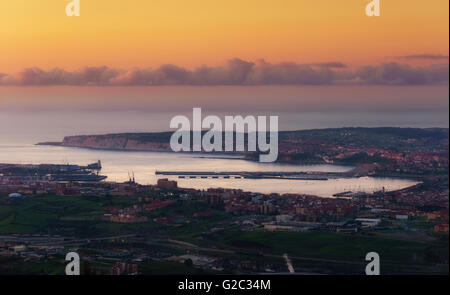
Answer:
[(118, 165)]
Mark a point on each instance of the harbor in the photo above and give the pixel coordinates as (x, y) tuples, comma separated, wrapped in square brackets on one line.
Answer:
[(117, 166), (52, 172)]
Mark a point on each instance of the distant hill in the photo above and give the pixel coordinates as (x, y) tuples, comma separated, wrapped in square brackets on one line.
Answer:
[(389, 137), (383, 137)]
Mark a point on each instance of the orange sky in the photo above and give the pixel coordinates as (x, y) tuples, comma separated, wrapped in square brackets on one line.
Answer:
[(145, 33)]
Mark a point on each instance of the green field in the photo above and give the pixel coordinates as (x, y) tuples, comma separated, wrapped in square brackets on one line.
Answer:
[(332, 246), (43, 214), (80, 216), (16, 266)]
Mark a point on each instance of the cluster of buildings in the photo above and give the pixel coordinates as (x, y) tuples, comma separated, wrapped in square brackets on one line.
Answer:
[(134, 214), (415, 158), (121, 268), (116, 269), (301, 207), (427, 201), (411, 202), (31, 247)]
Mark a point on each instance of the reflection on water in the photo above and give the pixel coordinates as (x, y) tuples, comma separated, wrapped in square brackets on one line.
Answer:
[(323, 188), (118, 164)]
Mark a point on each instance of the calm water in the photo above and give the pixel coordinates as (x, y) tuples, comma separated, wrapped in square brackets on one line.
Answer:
[(118, 164)]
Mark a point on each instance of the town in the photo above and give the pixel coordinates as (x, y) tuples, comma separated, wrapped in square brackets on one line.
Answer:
[(130, 228), (119, 226)]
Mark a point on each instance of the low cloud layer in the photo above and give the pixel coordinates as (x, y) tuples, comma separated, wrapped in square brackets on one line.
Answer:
[(237, 72), (425, 56)]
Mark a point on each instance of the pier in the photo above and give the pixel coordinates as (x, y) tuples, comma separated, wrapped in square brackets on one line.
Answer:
[(251, 175)]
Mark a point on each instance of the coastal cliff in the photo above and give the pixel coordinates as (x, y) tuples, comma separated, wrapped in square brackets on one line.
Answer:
[(126, 141)]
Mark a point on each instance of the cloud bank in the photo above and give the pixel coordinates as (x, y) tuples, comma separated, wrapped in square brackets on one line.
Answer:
[(425, 56), (237, 72)]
